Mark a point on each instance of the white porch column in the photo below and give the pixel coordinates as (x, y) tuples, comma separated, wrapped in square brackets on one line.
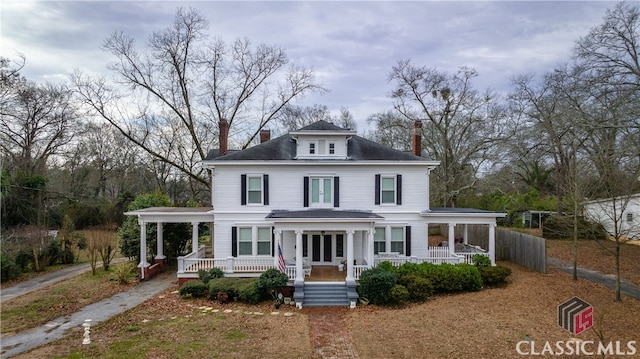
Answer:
[(194, 236), (159, 243), (278, 244), (143, 246), (350, 256), (452, 237), (466, 234), (299, 270), (370, 249), (492, 243)]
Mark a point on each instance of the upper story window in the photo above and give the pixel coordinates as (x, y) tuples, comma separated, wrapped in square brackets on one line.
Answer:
[(254, 189), (332, 148), (629, 217), (312, 148), (321, 191), (388, 189)]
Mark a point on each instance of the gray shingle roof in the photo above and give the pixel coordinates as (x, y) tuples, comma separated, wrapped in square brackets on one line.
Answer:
[(283, 148)]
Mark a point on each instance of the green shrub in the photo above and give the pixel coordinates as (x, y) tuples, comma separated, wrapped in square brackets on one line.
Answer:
[(447, 278), (205, 276), (480, 260), (194, 288), (399, 294), (10, 270), (245, 289), (492, 276), (376, 284), (419, 288), (388, 266), (271, 280), (248, 291)]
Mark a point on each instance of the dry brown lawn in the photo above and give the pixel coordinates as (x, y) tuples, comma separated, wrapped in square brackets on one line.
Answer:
[(484, 324), (599, 256)]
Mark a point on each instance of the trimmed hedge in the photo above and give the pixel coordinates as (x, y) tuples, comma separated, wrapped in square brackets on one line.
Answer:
[(270, 280), (376, 284), (419, 288), (194, 288), (492, 276), (245, 289), (399, 294), (206, 276)]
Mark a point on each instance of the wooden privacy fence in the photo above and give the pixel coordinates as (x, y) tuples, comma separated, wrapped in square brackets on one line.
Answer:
[(520, 248)]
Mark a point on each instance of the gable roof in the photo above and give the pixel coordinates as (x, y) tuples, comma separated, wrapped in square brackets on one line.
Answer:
[(283, 148)]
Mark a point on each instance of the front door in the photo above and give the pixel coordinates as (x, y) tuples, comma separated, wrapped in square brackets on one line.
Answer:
[(326, 247)]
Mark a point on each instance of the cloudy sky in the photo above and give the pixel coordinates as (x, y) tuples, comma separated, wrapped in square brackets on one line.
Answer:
[(351, 45)]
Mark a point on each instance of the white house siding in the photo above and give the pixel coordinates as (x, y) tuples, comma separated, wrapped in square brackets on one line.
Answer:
[(602, 212), (357, 186)]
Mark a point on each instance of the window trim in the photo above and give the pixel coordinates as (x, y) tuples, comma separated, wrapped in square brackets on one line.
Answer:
[(260, 179), (322, 181), (255, 240)]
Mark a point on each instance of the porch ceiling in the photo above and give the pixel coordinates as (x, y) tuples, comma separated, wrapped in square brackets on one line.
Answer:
[(174, 214), (461, 216)]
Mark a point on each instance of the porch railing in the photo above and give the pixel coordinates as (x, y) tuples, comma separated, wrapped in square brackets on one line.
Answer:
[(358, 269), (192, 264)]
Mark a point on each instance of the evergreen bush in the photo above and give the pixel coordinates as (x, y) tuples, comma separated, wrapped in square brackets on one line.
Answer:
[(194, 288), (492, 276), (399, 294), (376, 284)]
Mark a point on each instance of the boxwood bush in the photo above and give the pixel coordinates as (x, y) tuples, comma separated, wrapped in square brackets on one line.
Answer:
[(245, 289), (399, 294), (270, 280), (492, 276), (194, 288), (205, 276), (419, 288), (376, 284)]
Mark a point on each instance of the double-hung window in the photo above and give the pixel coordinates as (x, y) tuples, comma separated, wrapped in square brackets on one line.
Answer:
[(245, 241), (253, 241), (379, 241), (254, 189), (397, 240), (388, 189), (264, 241)]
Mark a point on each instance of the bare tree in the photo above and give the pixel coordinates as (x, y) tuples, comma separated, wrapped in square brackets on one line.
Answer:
[(180, 86), (462, 126), (36, 121)]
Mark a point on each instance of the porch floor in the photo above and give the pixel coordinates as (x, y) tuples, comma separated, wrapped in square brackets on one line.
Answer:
[(326, 274)]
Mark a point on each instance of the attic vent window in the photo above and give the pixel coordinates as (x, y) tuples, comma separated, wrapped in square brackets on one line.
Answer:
[(332, 148), (312, 148), (629, 217)]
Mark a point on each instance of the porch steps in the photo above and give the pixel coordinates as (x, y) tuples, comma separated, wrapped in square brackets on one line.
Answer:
[(325, 294)]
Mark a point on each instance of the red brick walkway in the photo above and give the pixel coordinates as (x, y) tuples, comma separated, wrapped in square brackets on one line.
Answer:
[(330, 337)]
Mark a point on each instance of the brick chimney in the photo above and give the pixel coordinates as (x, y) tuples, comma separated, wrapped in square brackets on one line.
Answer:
[(416, 138), (223, 140), (265, 135)]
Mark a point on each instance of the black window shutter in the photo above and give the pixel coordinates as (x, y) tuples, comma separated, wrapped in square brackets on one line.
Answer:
[(399, 189), (273, 242), (407, 241), (305, 198), (265, 189), (234, 241), (336, 191), (377, 189), (243, 189)]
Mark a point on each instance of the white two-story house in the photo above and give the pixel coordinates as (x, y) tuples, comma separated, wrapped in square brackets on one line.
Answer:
[(319, 197)]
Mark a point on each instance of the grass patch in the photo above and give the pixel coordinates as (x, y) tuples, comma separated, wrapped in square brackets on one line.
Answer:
[(232, 335), (63, 298)]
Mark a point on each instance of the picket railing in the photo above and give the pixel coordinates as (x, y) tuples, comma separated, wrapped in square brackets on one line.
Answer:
[(192, 264)]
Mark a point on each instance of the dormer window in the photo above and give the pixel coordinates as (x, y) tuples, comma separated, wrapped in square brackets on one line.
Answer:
[(332, 148), (312, 148)]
